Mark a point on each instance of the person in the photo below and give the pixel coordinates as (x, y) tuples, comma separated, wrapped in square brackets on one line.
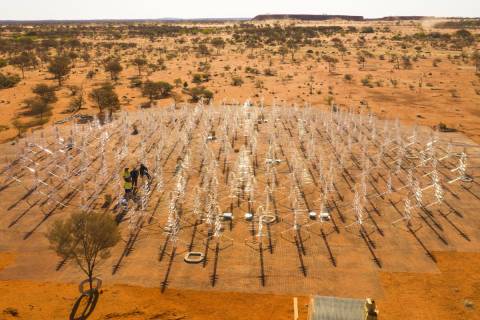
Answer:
[(128, 186), (134, 177), (69, 145), (370, 309), (144, 171), (135, 130), (126, 174)]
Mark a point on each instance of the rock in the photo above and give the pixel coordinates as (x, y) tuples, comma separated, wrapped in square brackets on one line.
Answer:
[(468, 304)]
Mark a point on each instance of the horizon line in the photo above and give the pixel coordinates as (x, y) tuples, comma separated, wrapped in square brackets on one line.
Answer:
[(228, 18)]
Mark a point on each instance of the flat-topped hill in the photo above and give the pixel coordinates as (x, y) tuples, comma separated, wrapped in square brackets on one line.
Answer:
[(311, 17)]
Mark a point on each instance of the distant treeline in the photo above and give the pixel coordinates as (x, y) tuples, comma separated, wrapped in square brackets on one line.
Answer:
[(120, 21), (453, 23), (459, 24), (308, 17), (323, 17)]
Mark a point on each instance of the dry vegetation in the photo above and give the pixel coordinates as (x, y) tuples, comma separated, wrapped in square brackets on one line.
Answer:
[(420, 71)]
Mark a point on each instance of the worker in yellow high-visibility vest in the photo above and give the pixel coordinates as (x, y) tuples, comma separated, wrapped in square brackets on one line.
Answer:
[(126, 174)]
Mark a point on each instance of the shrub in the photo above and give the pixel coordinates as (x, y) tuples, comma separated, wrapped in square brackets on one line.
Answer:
[(105, 98), (367, 30), (237, 81), (11, 311), (75, 104), (251, 70), (156, 90), (200, 78), (200, 92), (8, 80), (269, 72), (37, 107), (90, 74), (136, 82), (367, 81), (45, 92), (442, 127)]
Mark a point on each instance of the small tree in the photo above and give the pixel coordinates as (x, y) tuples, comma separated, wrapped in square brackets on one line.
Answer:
[(86, 57), (463, 38), (395, 60), (105, 98), (8, 80), (218, 43), (150, 90), (203, 51), (200, 92), (361, 61), (476, 60), (293, 46), (37, 107), (251, 44), (165, 88), (406, 62), (283, 52), (332, 62), (24, 61), (341, 49), (177, 82), (45, 92), (140, 62), (156, 90), (362, 57), (86, 238), (60, 67), (113, 66)]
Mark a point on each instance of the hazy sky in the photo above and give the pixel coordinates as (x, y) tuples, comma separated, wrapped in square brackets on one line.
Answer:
[(150, 9)]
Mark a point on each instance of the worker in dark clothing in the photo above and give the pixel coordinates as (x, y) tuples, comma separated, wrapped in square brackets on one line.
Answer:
[(134, 176), (128, 188), (144, 171), (135, 130)]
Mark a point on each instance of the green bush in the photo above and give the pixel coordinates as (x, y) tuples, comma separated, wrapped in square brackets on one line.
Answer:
[(200, 77), (200, 92)]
